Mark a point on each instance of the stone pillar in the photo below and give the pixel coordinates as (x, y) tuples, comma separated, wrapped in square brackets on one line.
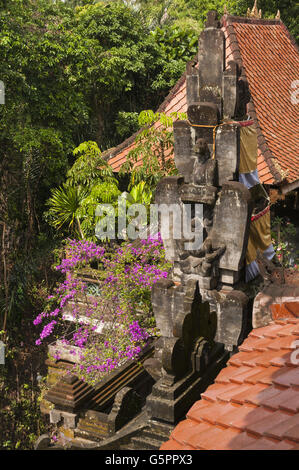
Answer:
[(200, 311), (231, 227)]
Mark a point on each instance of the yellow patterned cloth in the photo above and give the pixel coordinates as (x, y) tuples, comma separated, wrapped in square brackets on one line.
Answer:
[(259, 237), (248, 149), (260, 230)]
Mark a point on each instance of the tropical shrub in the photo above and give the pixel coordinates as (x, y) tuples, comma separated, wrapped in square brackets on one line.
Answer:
[(121, 309), (89, 182), (152, 149), (284, 241)]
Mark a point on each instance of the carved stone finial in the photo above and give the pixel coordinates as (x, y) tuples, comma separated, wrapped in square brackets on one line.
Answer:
[(225, 10), (248, 12), (277, 17), (254, 12), (212, 19), (260, 13)]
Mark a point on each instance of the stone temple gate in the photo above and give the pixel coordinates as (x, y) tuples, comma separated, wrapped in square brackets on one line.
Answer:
[(204, 309)]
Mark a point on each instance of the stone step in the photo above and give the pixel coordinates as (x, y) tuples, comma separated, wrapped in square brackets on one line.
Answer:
[(152, 434), (87, 435), (158, 430), (145, 443), (127, 447), (80, 442)]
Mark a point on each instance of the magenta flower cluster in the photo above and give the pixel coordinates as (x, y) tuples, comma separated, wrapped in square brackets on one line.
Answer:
[(79, 252), (137, 333), (47, 330), (127, 278)]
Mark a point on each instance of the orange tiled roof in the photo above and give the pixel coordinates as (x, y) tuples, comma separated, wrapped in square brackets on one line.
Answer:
[(270, 59), (271, 63), (254, 403)]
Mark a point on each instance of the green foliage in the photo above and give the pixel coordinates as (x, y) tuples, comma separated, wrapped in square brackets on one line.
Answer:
[(89, 167), (21, 421), (177, 43), (79, 71), (90, 181), (73, 72), (71, 75), (127, 68), (64, 205), (139, 194), (126, 123), (187, 14), (284, 235), (28, 424), (151, 150), (105, 193)]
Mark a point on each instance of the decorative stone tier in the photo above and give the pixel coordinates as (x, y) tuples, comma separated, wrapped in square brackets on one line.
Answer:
[(93, 413)]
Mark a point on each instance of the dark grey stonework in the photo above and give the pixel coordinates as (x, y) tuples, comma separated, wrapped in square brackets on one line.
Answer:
[(192, 83), (184, 155), (211, 52), (229, 89), (228, 153), (199, 310), (231, 224)]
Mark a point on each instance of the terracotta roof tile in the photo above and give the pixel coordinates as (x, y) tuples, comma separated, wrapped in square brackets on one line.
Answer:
[(284, 342), (243, 358), (269, 358), (214, 391), (265, 395), (227, 375), (242, 440), (289, 329), (253, 404), (288, 378), (268, 444), (260, 427), (232, 394), (249, 394), (185, 430), (292, 433), (223, 440), (210, 414), (174, 445), (271, 63), (262, 375), (281, 429), (245, 376), (269, 331)]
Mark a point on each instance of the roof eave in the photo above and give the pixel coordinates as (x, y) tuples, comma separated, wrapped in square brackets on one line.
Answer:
[(288, 187), (227, 21)]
